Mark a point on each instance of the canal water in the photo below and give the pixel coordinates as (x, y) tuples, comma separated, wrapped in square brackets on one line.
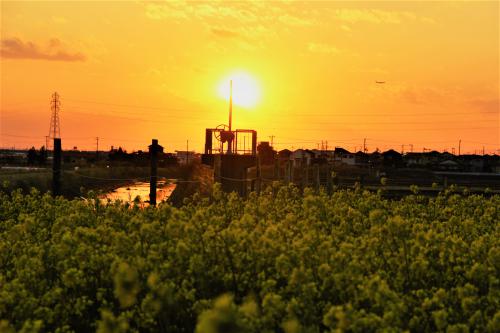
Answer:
[(129, 192)]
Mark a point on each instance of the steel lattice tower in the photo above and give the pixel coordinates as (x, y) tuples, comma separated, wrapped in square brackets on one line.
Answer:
[(55, 124)]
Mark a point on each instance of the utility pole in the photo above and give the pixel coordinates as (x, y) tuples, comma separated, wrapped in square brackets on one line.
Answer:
[(402, 149), (483, 150), (364, 145), (187, 151), (154, 172), (272, 140), (230, 141), (56, 168), (46, 143), (459, 144), (97, 148)]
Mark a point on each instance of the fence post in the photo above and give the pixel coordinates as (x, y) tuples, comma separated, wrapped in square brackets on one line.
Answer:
[(318, 180), (329, 179), (154, 172), (258, 176), (286, 172), (305, 177), (276, 175), (56, 168)]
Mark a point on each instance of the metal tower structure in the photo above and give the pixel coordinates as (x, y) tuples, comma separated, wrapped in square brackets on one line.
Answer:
[(55, 124), (231, 164), (230, 141)]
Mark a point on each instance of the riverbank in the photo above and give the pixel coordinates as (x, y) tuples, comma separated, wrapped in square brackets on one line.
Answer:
[(139, 192), (77, 182)]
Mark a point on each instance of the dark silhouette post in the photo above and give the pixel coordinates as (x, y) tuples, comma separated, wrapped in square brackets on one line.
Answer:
[(154, 172), (329, 179), (287, 171), (230, 141), (259, 178), (305, 179), (56, 168), (277, 169), (217, 169), (318, 181)]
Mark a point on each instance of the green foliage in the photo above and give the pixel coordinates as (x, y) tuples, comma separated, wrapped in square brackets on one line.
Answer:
[(281, 261)]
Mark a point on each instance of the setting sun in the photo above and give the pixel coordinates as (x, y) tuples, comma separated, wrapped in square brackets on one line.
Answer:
[(246, 92)]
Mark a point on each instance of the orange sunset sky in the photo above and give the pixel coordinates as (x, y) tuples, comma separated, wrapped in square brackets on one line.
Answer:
[(130, 71)]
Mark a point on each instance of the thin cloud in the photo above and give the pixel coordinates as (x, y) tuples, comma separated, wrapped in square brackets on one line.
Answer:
[(373, 16), (294, 20), (486, 105), (246, 13), (224, 33), (15, 48), (424, 96), (322, 48)]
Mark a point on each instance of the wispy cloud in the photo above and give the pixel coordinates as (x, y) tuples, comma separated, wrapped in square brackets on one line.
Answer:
[(258, 21), (376, 16), (224, 33), (15, 48), (448, 97), (296, 21), (322, 48), (486, 105), (245, 14), (424, 96)]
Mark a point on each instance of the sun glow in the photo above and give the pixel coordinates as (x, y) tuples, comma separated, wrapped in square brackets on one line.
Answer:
[(246, 92)]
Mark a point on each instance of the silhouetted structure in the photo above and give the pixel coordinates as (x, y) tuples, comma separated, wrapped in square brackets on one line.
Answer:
[(229, 156), (55, 124), (266, 153), (392, 158)]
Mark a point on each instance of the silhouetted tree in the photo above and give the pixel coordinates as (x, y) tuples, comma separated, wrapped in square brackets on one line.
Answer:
[(32, 156), (42, 156), (118, 154), (266, 153)]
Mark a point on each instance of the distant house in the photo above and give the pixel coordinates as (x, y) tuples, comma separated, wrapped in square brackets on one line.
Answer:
[(340, 155), (185, 157), (473, 163), (317, 153), (434, 157), (284, 155), (301, 157), (361, 159), (449, 165), (392, 158), (419, 160)]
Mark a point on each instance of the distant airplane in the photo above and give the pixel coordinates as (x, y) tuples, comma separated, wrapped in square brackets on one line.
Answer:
[(380, 82)]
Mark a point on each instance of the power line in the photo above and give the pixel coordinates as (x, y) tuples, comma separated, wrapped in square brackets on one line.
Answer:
[(129, 105)]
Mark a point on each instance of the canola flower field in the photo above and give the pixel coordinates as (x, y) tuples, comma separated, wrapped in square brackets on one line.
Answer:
[(281, 261)]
